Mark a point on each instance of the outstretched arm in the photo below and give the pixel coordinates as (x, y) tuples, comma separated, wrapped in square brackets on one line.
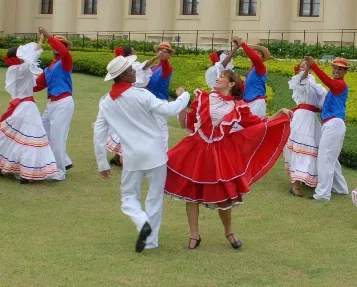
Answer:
[(151, 61), (171, 109), (336, 86), (231, 54), (66, 57), (254, 57), (40, 42)]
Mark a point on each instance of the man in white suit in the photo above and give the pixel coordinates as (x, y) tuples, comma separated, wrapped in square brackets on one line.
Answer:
[(130, 111)]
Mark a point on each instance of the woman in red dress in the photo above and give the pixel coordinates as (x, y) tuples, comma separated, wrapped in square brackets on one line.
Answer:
[(228, 149)]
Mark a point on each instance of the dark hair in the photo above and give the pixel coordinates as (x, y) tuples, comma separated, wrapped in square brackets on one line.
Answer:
[(233, 77), (219, 53), (11, 53), (127, 51)]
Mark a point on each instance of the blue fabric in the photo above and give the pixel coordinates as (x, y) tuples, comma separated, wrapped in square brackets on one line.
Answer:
[(335, 105), (158, 85), (255, 85), (58, 80)]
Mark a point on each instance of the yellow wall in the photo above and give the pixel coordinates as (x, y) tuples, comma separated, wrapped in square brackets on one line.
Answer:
[(23, 16)]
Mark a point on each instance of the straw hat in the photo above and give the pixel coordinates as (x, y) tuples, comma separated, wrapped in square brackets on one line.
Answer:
[(166, 46), (118, 65), (265, 51), (64, 40), (341, 62)]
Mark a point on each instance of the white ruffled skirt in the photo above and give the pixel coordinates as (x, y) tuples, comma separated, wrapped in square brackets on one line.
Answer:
[(24, 147), (301, 149)]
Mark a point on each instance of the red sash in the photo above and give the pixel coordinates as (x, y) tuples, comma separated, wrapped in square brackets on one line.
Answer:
[(307, 107), (13, 104), (62, 96)]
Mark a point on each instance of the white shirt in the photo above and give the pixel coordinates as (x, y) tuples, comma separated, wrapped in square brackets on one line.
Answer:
[(131, 118), (20, 79), (307, 91)]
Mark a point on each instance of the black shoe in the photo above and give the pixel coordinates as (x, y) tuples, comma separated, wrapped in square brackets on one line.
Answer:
[(236, 244), (144, 233), (292, 191), (24, 181), (69, 166), (198, 241), (311, 197)]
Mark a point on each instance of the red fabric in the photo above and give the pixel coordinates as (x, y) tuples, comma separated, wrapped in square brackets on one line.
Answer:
[(166, 68), (65, 55), (62, 96), (307, 107), (214, 58), (336, 86), (118, 89), (40, 83), (220, 172), (13, 105), (119, 51), (256, 60), (11, 61)]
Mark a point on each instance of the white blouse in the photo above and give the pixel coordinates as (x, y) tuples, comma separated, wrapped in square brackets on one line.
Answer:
[(213, 73), (307, 91), (142, 76), (219, 108), (20, 79)]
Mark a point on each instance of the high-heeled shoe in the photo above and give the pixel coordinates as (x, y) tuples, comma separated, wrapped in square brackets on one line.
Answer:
[(293, 192), (236, 244), (198, 241)]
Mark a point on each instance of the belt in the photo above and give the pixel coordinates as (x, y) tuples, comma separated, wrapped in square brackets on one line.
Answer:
[(307, 107), (257, 98), (62, 96)]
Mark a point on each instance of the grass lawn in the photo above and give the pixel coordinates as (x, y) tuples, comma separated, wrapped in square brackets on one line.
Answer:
[(73, 233)]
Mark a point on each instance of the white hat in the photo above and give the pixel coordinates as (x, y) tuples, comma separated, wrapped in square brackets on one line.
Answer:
[(118, 65)]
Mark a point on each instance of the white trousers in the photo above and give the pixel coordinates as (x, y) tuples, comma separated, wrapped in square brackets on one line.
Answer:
[(258, 108), (162, 123), (131, 194), (330, 176), (56, 120)]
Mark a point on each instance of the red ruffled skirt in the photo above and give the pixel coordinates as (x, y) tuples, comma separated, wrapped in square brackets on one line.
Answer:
[(218, 174)]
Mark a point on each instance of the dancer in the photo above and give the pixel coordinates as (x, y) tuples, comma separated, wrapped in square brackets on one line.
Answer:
[(159, 84), (228, 150), (143, 74), (24, 147), (129, 111), (333, 115), (301, 150), (59, 110), (255, 82), (221, 61)]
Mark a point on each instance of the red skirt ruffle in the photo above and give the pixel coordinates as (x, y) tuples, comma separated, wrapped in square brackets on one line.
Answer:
[(218, 174)]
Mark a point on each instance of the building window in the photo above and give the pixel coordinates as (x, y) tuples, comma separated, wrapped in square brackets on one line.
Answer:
[(190, 7), (46, 6), (247, 7), (90, 7), (309, 8), (138, 7)]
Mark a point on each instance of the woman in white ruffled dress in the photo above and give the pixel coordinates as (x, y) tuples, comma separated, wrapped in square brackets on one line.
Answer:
[(221, 61), (143, 74), (301, 149), (24, 147)]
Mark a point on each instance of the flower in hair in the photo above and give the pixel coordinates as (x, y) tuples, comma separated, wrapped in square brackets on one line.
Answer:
[(214, 58), (119, 52)]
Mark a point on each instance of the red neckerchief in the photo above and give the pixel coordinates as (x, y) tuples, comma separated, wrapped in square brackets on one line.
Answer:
[(12, 61), (118, 89)]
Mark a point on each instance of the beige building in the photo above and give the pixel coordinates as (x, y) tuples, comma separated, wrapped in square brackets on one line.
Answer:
[(204, 21)]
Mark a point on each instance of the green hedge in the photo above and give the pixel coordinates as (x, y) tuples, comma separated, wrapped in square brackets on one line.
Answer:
[(283, 50), (189, 72)]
